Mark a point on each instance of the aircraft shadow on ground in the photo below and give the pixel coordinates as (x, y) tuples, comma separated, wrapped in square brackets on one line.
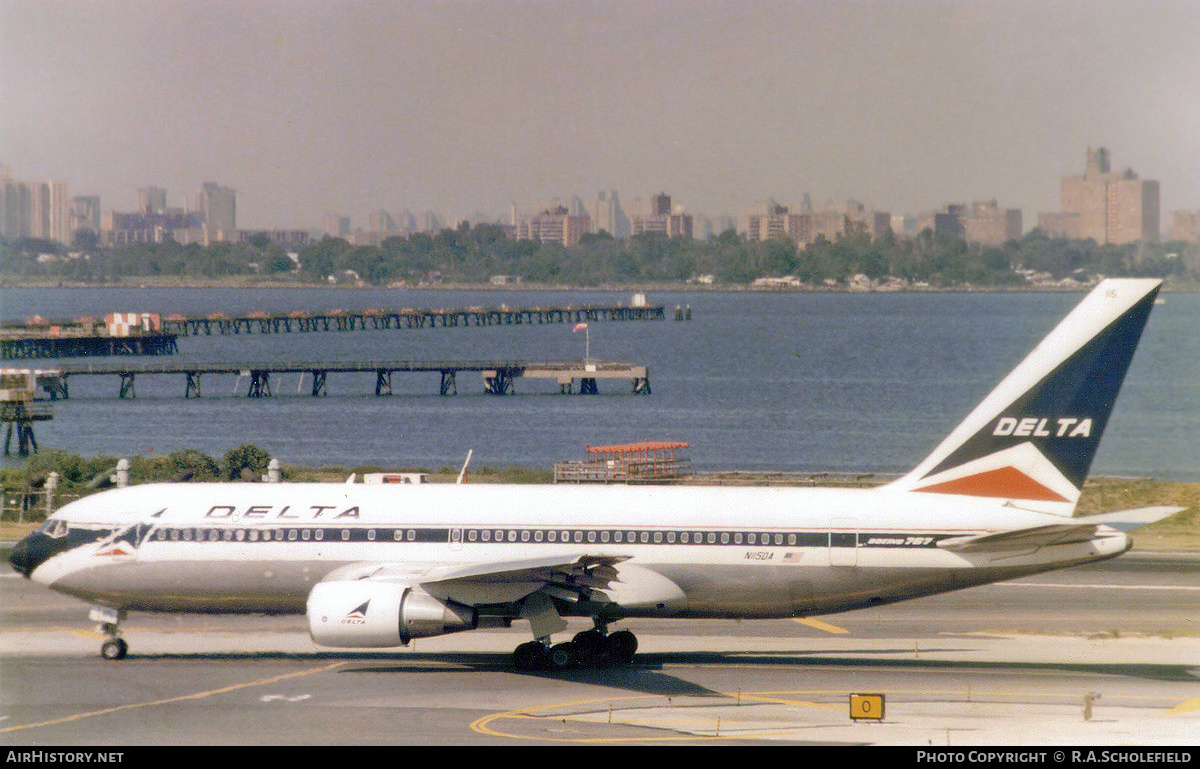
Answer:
[(646, 674)]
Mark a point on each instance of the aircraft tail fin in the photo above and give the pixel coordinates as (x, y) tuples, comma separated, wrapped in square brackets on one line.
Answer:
[(1032, 440)]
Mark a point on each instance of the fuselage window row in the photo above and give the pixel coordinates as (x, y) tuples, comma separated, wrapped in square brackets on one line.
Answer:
[(494, 536)]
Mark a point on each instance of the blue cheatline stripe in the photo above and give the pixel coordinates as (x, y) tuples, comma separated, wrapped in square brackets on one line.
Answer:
[(469, 536)]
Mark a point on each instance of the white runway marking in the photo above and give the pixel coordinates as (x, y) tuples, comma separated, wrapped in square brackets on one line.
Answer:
[(1092, 586)]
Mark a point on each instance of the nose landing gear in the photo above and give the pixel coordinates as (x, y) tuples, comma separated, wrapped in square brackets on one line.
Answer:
[(109, 621)]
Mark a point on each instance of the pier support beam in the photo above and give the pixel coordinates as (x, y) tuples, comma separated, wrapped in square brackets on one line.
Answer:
[(383, 382), (318, 387), (127, 385), (193, 385), (260, 384), (25, 440), (449, 385), (498, 381)]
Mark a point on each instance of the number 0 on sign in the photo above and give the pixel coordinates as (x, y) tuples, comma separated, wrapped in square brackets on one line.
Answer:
[(866, 706)]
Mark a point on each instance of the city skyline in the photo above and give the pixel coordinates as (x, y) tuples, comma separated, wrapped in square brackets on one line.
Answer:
[(312, 108)]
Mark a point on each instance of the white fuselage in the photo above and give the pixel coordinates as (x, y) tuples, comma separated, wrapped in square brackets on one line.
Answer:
[(733, 552)]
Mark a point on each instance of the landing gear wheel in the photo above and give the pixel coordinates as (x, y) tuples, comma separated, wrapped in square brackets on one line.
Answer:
[(619, 647), (114, 649), (531, 656), (589, 647), (563, 656)]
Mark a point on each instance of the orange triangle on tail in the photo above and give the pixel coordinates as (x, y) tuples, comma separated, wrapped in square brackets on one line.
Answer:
[(1006, 482)]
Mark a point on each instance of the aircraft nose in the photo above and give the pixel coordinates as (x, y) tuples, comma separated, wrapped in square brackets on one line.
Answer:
[(28, 554)]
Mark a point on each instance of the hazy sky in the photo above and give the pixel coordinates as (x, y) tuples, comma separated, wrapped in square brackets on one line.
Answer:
[(310, 107)]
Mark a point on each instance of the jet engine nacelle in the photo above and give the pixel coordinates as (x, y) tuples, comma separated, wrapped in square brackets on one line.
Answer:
[(363, 613)]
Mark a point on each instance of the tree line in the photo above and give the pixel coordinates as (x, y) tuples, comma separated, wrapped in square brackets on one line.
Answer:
[(475, 254)]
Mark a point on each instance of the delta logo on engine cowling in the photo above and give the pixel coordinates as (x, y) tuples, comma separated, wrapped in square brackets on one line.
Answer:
[(357, 616)]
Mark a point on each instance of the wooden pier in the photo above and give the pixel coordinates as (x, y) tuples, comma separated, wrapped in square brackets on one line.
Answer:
[(24, 345), (19, 408), (406, 318), (86, 337), (498, 376)]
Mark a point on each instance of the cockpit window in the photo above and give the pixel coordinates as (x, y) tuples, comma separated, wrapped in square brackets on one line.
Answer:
[(56, 528)]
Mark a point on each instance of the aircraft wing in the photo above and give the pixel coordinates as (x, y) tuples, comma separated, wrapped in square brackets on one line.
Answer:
[(572, 577), (1083, 530)]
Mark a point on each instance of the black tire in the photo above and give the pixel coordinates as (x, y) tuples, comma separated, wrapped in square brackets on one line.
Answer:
[(563, 656), (589, 647), (115, 649), (530, 656), (619, 647)]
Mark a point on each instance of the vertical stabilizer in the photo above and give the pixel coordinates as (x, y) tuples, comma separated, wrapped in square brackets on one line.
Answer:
[(1032, 440)]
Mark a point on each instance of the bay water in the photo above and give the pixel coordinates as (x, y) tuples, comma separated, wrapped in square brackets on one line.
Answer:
[(756, 381)]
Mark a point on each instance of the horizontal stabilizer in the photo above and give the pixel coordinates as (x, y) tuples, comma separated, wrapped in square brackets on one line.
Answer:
[(1129, 520), (1023, 539)]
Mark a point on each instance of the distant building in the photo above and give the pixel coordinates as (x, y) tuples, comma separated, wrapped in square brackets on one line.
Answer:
[(554, 225), (985, 223), (84, 213), (381, 221), (1107, 207), (990, 225), (661, 220), (1185, 226), (776, 222), (121, 229), (33, 209), (875, 224), (607, 216), (152, 200), (280, 237), (335, 226), (804, 228), (217, 206)]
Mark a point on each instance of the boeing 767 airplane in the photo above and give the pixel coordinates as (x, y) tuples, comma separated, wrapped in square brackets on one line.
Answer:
[(375, 566)]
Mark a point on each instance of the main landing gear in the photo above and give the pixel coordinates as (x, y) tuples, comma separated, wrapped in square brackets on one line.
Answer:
[(590, 648), (109, 621)]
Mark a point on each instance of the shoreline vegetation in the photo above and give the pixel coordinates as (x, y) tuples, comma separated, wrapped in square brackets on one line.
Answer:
[(257, 283), (485, 257), (24, 487)]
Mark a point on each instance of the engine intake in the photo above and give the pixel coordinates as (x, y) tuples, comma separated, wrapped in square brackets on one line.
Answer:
[(367, 614)]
